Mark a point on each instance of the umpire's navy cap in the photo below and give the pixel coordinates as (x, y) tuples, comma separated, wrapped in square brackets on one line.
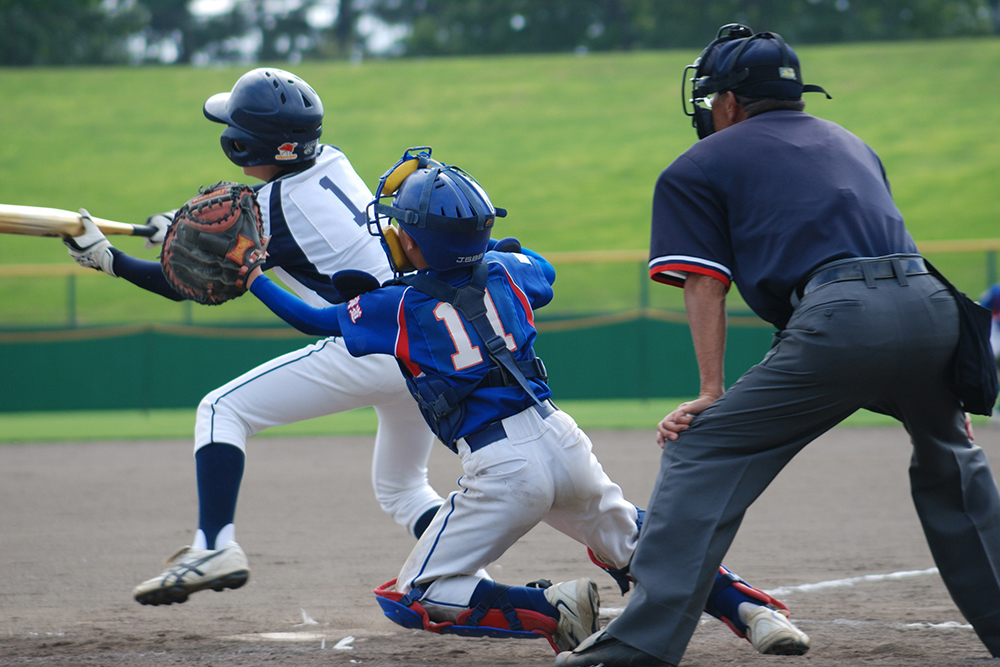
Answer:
[(765, 67)]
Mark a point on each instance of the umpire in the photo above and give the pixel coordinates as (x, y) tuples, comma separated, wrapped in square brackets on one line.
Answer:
[(797, 212)]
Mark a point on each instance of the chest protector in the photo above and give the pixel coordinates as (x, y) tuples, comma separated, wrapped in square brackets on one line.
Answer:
[(443, 405)]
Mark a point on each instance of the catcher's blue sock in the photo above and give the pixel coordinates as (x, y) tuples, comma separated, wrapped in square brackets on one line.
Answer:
[(520, 597), (219, 471)]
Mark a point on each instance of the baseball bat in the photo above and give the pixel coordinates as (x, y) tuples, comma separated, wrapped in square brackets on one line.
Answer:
[(41, 221)]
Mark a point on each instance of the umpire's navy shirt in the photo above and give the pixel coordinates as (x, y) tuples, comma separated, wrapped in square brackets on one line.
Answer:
[(764, 202)]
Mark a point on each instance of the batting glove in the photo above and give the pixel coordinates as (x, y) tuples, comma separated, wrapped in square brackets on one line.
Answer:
[(91, 249), (162, 222)]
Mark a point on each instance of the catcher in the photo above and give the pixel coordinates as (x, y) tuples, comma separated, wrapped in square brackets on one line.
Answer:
[(460, 319), (310, 206)]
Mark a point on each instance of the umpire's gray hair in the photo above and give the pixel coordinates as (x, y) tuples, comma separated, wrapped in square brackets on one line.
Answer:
[(754, 106)]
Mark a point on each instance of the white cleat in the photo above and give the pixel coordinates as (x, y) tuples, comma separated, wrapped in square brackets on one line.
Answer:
[(579, 607), (191, 570), (771, 633)]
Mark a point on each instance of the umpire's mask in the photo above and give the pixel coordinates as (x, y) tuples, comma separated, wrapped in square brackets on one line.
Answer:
[(758, 65)]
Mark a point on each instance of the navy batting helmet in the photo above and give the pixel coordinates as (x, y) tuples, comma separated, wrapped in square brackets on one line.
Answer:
[(442, 208), (273, 117), (757, 65)]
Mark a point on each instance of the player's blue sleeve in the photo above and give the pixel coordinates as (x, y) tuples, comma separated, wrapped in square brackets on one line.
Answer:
[(530, 272), (295, 311), (547, 269), (143, 273)]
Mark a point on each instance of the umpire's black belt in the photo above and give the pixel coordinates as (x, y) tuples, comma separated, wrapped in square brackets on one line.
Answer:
[(868, 269), (494, 430)]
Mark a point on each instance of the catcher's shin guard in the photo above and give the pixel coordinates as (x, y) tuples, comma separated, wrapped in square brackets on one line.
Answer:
[(494, 616), (728, 592), (619, 574)]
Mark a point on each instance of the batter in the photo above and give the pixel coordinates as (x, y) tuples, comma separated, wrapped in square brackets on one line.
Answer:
[(312, 204)]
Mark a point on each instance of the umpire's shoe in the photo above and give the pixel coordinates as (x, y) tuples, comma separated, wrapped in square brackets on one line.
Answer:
[(579, 606), (191, 570), (603, 650)]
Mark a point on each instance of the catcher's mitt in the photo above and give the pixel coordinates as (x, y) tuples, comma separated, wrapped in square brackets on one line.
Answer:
[(213, 237)]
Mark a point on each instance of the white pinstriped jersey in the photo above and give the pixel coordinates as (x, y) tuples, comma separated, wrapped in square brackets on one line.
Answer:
[(315, 220)]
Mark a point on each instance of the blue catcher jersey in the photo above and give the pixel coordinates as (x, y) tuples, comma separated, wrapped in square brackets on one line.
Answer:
[(315, 222), (429, 337)]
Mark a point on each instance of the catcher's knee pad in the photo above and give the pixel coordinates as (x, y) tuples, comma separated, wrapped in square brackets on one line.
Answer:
[(728, 592), (619, 574), (494, 616)]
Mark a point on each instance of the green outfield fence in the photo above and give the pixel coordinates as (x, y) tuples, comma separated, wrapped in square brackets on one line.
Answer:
[(638, 347), (146, 366)]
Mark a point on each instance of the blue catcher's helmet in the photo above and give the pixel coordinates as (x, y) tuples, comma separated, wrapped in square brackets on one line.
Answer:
[(442, 208), (273, 117)]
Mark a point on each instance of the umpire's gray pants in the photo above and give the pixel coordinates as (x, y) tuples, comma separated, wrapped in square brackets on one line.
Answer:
[(846, 347)]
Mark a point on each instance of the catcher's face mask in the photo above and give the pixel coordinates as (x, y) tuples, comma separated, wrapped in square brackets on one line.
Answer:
[(413, 159)]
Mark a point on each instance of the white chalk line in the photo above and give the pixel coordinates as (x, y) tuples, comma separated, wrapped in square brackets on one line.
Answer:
[(850, 581), (784, 591)]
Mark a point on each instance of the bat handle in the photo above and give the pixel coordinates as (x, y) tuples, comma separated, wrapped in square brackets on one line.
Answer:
[(143, 230)]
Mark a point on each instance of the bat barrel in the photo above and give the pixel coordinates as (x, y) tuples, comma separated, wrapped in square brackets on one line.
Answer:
[(42, 221)]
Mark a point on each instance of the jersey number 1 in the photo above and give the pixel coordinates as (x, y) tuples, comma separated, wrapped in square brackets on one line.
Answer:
[(467, 354)]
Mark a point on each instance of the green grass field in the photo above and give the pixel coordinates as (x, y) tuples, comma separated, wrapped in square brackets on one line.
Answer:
[(570, 145), (154, 424)]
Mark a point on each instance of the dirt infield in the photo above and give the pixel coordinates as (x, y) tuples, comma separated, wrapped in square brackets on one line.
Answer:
[(82, 523)]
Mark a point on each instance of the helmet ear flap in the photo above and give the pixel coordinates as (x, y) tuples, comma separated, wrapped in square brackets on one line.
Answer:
[(242, 148), (394, 247)]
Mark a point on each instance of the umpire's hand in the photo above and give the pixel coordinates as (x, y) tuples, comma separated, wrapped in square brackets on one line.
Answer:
[(679, 420)]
